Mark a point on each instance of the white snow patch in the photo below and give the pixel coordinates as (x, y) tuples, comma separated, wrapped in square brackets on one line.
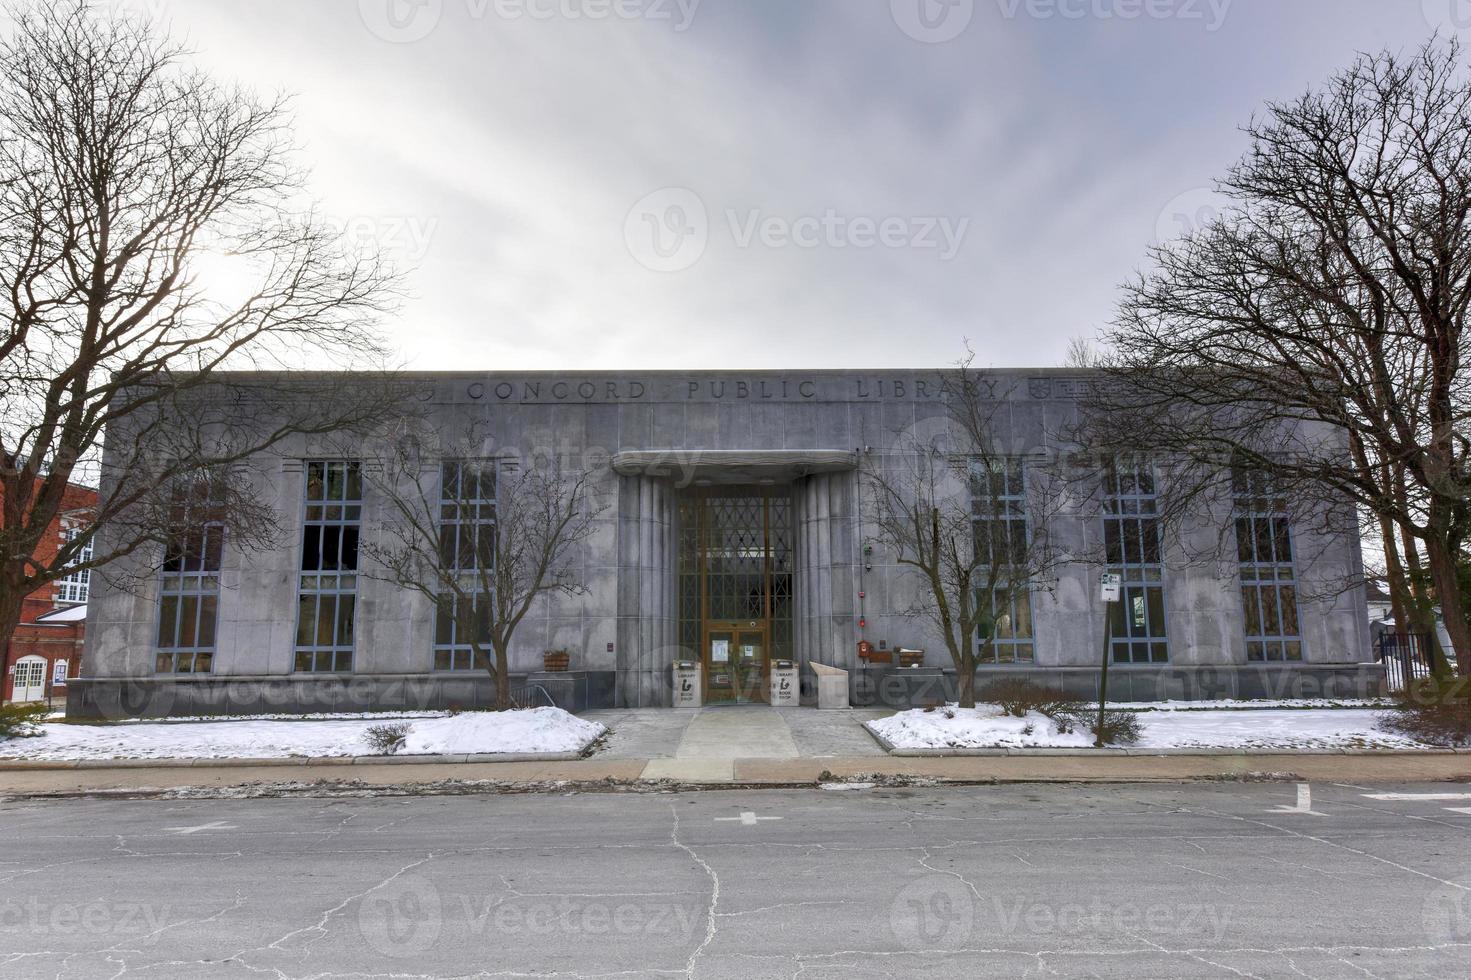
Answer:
[(973, 728), (531, 730), (1289, 728)]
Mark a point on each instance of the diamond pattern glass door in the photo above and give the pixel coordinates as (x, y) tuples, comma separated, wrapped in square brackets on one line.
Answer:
[(735, 586)]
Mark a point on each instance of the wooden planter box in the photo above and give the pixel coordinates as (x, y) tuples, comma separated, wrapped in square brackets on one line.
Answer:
[(911, 658), (555, 662)]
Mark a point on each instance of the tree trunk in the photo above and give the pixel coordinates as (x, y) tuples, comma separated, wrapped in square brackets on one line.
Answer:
[(1394, 577), (12, 601), (501, 670), (1444, 575), (1421, 611), (967, 680)]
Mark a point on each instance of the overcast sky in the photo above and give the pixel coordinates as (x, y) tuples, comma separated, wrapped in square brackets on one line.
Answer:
[(769, 183)]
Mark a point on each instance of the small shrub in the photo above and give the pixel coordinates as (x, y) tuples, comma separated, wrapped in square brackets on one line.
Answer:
[(1028, 728), (1436, 712), (1119, 727), (949, 712), (387, 739), (1064, 723), (1017, 697), (22, 720)]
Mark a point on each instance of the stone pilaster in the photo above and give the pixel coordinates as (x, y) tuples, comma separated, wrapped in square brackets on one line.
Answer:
[(826, 581), (646, 599)]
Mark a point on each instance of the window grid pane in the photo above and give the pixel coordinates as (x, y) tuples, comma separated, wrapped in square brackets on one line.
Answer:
[(467, 536), (73, 587), (1268, 576), (1131, 538), (327, 590), (998, 495), (190, 584)]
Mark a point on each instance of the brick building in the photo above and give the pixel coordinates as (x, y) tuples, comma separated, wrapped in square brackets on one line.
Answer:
[(46, 649)]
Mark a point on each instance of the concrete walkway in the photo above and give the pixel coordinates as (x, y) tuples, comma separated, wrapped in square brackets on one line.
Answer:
[(705, 745), (730, 746), (273, 779)]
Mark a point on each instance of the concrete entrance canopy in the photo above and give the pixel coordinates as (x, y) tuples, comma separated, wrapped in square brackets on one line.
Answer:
[(732, 466)]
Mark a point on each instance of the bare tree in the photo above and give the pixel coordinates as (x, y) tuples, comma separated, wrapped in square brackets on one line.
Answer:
[(124, 175), (963, 511), (1313, 332), (482, 538)]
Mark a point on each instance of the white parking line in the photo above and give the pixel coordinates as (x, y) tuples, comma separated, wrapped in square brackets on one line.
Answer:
[(1304, 803), (1430, 797), (746, 819), (216, 825)]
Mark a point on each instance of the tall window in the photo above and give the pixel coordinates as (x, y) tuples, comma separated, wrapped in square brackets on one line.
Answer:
[(189, 591), (467, 493), (327, 598), (1268, 579), (73, 587), (998, 495), (1131, 538)]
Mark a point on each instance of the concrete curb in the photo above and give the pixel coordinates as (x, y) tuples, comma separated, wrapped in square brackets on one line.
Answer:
[(1040, 752), (349, 760)]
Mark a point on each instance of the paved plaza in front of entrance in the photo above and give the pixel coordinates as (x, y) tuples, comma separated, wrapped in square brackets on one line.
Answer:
[(703, 744)]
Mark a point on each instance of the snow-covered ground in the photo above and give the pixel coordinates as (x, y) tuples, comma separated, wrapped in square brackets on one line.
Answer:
[(1271, 728), (532, 730)]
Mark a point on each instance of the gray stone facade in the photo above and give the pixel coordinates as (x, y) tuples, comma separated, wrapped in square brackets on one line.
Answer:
[(649, 436)]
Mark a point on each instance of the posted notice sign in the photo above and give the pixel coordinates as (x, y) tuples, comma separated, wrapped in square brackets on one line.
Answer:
[(1108, 587)]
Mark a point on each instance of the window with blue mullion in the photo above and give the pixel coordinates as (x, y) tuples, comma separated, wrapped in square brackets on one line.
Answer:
[(1132, 546)]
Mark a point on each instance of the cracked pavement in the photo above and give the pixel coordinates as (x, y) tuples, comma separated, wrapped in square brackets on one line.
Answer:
[(1144, 881)]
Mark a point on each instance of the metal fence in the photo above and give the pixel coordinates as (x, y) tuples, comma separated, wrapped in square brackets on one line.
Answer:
[(531, 696), (1406, 657)]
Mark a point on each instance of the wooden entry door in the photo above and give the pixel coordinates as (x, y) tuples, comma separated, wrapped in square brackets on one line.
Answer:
[(28, 682), (737, 662)]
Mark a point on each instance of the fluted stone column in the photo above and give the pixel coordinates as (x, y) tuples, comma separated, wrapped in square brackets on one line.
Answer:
[(646, 599), (826, 583)]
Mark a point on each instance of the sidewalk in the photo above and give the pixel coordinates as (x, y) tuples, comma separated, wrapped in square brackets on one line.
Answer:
[(712, 748), (600, 772)]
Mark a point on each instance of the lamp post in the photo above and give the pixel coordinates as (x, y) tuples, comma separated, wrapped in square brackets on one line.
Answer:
[(1108, 590)]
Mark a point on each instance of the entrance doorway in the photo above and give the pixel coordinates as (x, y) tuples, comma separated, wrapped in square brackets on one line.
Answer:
[(735, 587), (28, 682), (736, 664)]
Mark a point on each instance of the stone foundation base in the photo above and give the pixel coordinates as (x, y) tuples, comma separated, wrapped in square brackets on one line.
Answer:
[(107, 699), (920, 686)]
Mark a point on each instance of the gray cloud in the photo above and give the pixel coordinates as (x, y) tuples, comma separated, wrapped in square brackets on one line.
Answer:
[(499, 147)]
